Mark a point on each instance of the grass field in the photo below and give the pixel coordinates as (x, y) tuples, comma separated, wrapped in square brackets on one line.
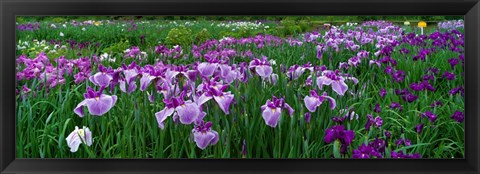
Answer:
[(239, 89)]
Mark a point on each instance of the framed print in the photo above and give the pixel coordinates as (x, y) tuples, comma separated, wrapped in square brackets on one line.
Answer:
[(239, 87)]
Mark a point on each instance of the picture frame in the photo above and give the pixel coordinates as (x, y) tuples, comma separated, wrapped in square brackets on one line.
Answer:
[(10, 9)]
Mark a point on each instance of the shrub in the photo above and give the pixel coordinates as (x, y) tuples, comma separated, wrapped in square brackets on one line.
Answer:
[(202, 36), (179, 36)]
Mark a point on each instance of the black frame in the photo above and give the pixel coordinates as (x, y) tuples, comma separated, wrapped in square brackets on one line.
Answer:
[(10, 8)]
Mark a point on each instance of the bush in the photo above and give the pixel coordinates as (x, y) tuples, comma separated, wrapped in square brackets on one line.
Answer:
[(59, 20), (118, 47), (202, 36), (288, 27), (179, 36)]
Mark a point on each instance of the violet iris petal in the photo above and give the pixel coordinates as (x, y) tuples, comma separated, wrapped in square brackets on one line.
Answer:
[(162, 116), (204, 136), (101, 79), (97, 104), (264, 71), (188, 112), (224, 101), (271, 116), (206, 69), (145, 81)]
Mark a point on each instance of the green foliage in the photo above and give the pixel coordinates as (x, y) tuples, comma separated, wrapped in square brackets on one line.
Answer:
[(59, 20), (289, 27), (117, 48), (202, 36), (179, 36)]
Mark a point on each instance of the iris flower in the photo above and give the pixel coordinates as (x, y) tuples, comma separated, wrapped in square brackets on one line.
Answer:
[(203, 135), (79, 136), (314, 100), (335, 80), (272, 110), (206, 69), (458, 116), (103, 77), (338, 132), (187, 111), (365, 151), (213, 89), (96, 103), (261, 67)]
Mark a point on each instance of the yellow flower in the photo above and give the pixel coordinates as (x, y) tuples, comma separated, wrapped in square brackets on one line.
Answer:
[(97, 23), (422, 24)]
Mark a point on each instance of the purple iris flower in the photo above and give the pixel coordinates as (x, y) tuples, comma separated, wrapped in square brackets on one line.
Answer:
[(374, 62), (213, 89), (378, 145), (377, 122), (354, 61), (296, 71), (419, 128), (261, 67), (365, 151), (431, 116), (458, 116), (362, 54), (383, 92), (403, 141), (404, 51), (203, 135), (453, 62), (377, 108), (272, 111), (308, 117), (399, 76), (448, 75), (394, 105), (457, 90), (428, 77), (332, 78), (338, 132), (388, 70), (187, 111), (416, 87), (428, 86), (314, 100), (437, 103), (128, 84), (96, 103), (103, 77), (406, 95), (206, 69), (79, 136)]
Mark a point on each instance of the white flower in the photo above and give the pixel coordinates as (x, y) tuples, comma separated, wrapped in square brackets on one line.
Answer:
[(64, 26), (20, 47), (83, 29), (53, 26), (61, 34), (79, 136), (272, 62), (104, 56)]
